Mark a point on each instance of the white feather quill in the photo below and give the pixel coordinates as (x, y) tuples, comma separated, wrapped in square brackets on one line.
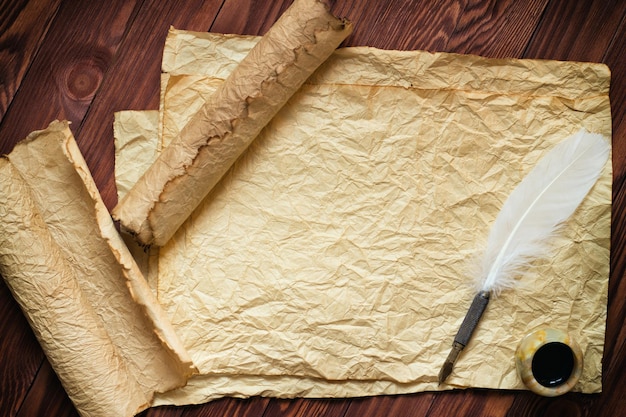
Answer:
[(543, 201)]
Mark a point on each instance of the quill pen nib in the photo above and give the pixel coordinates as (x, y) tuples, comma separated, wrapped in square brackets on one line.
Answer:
[(475, 312), (545, 198), (448, 365)]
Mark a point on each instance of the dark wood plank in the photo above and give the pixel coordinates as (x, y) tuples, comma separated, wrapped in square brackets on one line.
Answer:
[(593, 31), (616, 60), (133, 81), (99, 58), (493, 28), (613, 400), (401, 24), (58, 84), (47, 397), (65, 84), (387, 405), (23, 24), (164, 411), (283, 408), (496, 29), (20, 354), (323, 408), (232, 407), (472, 402), (576, 30), (62, 81), (248, 17), (570, 405)]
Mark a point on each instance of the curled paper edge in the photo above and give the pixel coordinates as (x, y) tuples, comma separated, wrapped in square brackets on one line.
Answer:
[(185, 172), (106, 371)]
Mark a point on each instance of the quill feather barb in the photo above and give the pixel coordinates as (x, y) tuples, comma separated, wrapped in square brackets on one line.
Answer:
[(545, 198)]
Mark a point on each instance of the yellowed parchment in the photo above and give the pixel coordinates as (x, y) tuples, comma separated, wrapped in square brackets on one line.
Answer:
[(97, 320), (336, 257), (223, 127)]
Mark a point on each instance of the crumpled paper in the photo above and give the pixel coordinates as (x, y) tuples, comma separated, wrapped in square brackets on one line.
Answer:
[(337, 256), (223, 127), (97, 320)]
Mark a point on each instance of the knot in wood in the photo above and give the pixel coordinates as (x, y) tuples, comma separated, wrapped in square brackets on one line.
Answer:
[(83, 74)]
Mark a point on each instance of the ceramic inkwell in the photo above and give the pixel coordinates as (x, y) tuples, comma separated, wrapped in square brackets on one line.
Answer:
[(549, 362)]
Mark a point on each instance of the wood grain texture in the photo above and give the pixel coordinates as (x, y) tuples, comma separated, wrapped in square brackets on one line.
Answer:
[(248, 17), (388, 405), (68, 69), (615, 58), (228, 407), (20, 354), (22, 27), (472, 403), (588, 31), (165, 411), (60, 83), (495, 29), (397, 24), (133, 80), (576, 30), (322, 407), (46, 397), (85, 60)]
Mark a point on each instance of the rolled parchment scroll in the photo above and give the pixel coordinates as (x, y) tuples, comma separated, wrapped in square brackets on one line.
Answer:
[(185, 172), (104, 333)]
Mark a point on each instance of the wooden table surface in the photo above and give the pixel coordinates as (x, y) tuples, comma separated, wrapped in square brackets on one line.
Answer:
[(84, 60)]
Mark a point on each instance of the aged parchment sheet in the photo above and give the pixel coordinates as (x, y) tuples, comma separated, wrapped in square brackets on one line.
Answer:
[(97, 320), (222, 128), (336, 257)]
